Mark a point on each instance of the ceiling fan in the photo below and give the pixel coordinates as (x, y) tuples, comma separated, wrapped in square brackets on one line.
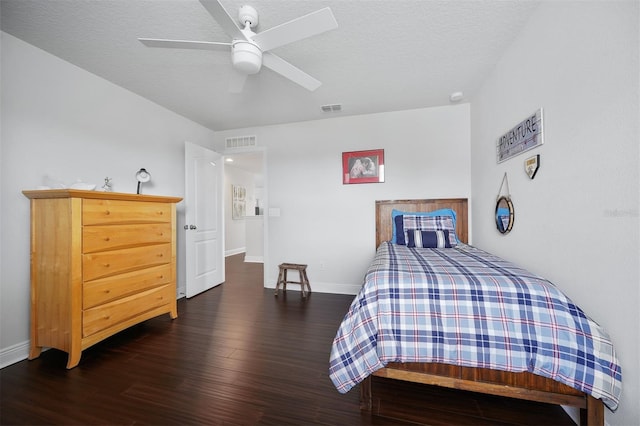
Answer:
[(249, 51)]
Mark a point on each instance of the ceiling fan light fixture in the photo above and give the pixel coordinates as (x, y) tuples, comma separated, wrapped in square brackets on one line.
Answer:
[(246, 57)]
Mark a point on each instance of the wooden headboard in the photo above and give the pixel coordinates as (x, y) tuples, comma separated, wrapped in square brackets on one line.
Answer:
[(384, 228)]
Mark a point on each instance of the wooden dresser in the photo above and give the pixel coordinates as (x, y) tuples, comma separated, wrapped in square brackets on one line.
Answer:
[(100, 262)]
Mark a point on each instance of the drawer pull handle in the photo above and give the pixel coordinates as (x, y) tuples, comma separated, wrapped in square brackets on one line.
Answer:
[(160, 255), (107, 239), (106, 265), (107, 212)]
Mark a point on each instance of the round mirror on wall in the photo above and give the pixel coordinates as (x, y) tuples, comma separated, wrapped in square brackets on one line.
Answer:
[(505, 215)]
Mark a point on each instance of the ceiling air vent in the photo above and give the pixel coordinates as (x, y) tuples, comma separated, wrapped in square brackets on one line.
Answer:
[(241, 142), (331, 108)]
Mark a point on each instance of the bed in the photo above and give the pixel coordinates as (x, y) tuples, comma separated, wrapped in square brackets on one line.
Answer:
[(367, 348)]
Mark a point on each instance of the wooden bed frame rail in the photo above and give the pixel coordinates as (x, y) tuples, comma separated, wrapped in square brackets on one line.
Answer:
[(523, 385)]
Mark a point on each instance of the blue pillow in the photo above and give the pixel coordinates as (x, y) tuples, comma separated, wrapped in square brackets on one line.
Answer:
[(427, 239), (441, 212), (424, 223)]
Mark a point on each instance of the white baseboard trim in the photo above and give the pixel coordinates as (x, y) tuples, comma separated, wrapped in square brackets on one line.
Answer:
[(181, 291), (321, 287), (13, 354), (232, 252), (253, 259)]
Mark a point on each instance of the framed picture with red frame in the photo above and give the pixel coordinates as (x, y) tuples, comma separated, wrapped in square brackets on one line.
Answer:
[(363, 166)]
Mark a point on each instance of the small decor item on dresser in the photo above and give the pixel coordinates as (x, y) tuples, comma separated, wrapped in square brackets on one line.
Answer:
[(363, 166), (107, 184), (143, 176), (83, 186)]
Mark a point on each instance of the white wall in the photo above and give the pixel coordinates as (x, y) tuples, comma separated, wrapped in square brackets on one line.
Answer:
[(255, 239), (577, 222), (325, 223), (64, 122)]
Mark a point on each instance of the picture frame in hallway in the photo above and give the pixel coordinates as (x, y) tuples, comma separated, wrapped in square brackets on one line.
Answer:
[(239, 202), (363, 166)]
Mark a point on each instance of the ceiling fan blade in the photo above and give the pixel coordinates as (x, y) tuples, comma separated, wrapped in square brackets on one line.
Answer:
[(184, 44), (236, 82), (228, 24), (297, 29), (289, 71)]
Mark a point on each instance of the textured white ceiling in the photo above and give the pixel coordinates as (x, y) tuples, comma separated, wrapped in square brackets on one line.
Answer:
[(384, 56)]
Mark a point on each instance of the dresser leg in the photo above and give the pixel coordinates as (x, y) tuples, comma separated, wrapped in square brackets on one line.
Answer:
[(74, 359), (35, 351)]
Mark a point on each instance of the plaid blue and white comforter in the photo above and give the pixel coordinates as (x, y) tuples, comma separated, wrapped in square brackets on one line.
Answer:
[(463, 306)]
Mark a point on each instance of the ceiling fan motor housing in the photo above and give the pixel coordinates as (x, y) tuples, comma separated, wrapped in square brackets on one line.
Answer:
[(247, 14), (246, 57)]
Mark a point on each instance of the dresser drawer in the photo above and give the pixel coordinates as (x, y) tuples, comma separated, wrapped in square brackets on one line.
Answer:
[(103, 290), (110, 314), (110, 237), (103, 212), (108, 263)]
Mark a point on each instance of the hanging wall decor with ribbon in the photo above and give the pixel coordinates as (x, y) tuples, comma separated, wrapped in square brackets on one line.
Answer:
[(505, 214)]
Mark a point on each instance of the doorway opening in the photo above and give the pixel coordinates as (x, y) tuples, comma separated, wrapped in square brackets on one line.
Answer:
[(245, 200)]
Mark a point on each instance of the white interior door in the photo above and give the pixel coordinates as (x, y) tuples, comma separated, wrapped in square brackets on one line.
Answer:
[(204, 219)]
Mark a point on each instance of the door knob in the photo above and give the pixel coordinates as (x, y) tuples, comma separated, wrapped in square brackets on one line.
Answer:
[(192, 227)]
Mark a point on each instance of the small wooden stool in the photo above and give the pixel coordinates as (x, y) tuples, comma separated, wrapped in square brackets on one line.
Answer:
[(282, 277)]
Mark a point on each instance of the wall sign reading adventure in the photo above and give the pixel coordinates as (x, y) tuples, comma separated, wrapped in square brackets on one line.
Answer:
[(522, 137)]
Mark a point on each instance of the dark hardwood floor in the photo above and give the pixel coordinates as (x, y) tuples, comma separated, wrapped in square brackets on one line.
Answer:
[(236, 355)]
